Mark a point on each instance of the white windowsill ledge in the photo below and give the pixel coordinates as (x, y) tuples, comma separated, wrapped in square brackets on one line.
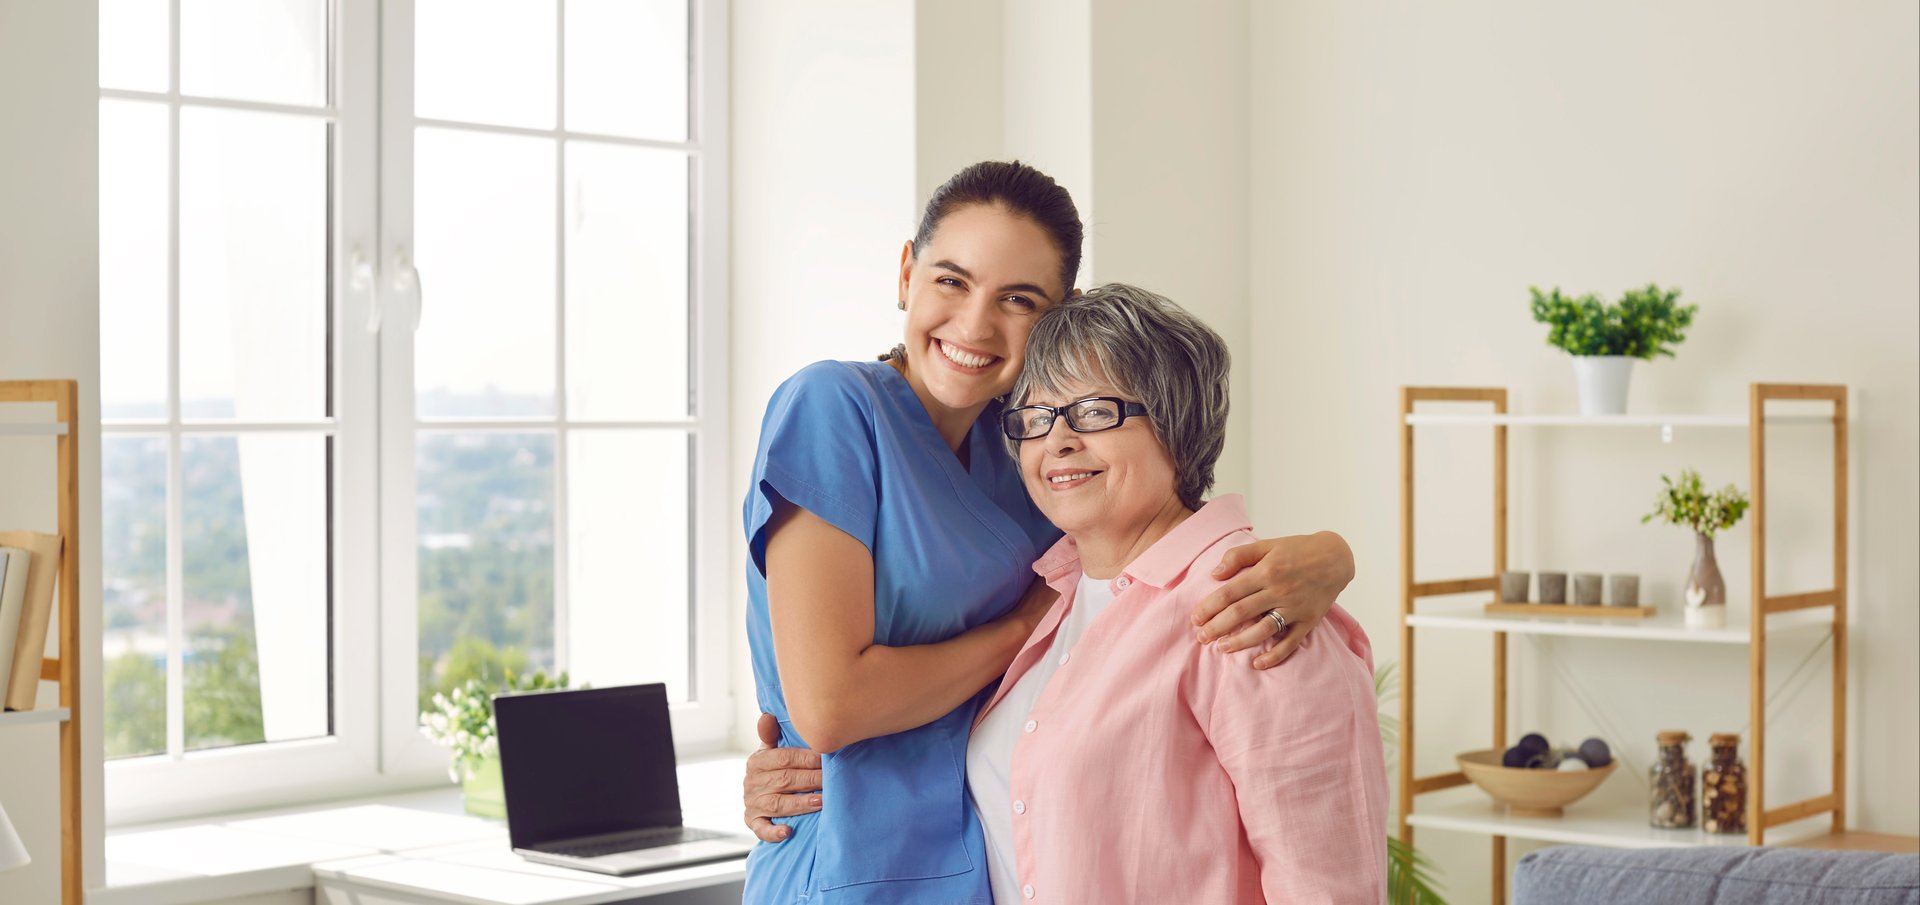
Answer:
[(183, 863)]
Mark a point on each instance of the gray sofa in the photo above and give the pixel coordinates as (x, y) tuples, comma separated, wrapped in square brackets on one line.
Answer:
[(1581, 875)]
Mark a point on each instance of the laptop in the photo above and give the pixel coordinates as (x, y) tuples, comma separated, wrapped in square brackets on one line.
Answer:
[(590, 782)]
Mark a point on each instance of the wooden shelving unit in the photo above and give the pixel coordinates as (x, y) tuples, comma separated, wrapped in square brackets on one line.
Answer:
[(65, 669), (1457, 810)]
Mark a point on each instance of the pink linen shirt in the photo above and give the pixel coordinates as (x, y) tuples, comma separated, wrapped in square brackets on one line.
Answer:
[(1156, 770)]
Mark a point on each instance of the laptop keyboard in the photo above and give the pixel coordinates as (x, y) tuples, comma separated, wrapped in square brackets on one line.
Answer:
[(654, 838)]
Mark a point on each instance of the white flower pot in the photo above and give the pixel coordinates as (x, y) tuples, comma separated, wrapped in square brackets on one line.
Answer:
[(1603, 383)]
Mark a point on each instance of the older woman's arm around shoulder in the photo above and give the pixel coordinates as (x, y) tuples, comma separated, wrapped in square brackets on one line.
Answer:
[(1302, 746)]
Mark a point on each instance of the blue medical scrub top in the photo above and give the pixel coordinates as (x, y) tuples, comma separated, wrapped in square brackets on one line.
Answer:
[(953, 548)]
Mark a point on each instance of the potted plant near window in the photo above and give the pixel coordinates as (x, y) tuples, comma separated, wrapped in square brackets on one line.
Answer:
[(462, 720), (1686, 502), (1604, 338)]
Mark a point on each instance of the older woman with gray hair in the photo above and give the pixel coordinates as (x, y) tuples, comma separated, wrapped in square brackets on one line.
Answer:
[(1118, 761)]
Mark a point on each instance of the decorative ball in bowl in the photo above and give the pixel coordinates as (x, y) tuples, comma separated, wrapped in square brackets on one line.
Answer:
[(1530, 793)]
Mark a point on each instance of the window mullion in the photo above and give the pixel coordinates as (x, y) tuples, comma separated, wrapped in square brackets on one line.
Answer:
[(562, 600), (176, 564)]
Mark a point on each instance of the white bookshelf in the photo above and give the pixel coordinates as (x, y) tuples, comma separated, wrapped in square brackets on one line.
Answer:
[(1668, 623), (1493, 419), (41, 429), (1613, 825), (26, 717), (1445, 801), (64, 670)]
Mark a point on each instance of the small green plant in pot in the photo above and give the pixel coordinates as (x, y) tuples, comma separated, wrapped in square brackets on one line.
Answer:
[(462, 721), (1686, 502), (1605, 338)]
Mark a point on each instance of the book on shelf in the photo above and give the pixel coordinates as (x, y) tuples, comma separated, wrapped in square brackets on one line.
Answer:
[(30, 640), (13, 598)]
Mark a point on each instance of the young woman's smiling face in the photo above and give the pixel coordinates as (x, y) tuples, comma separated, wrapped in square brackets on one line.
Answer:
[(1113, 481), (971, 296)]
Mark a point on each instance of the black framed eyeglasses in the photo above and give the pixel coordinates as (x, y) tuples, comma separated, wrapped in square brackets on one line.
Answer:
[(1090, 415)]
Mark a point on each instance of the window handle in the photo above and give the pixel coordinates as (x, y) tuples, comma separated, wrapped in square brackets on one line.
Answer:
[(406, 281), (360, 284)]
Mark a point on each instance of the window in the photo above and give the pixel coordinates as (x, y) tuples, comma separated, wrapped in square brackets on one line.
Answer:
[(405, 380)]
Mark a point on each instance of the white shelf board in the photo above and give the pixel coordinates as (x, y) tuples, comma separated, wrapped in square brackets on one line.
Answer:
[(1668, 623), (1515, 420), (34, 429), (23, 717), (1469, 810)]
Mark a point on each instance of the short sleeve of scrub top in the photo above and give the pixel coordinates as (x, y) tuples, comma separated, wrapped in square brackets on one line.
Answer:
[(816, 452), (952, 549)]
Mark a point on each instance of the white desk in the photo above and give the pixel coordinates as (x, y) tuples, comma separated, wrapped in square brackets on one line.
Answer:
[(485, 871), (413, 848), (490, 874)]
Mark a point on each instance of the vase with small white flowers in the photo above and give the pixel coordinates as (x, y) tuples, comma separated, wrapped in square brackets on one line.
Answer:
[(461, 720)]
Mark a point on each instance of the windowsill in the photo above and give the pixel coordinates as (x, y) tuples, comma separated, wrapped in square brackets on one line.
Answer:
[(184, 862)]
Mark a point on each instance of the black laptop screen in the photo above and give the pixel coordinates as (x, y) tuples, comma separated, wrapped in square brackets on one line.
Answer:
[(582, 763)]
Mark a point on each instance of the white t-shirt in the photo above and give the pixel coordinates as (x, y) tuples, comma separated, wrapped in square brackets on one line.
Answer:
[(990, 749)]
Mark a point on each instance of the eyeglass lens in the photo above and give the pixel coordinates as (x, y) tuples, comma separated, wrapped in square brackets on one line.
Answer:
[(1086, 415)]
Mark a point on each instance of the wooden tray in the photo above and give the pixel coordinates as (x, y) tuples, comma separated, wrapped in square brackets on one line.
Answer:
[(1567, 609)]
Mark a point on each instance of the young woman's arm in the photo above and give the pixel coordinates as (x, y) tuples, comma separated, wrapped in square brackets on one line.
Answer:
[(1300, 576), (840, 686)]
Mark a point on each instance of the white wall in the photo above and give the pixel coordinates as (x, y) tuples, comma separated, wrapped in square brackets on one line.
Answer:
[(823, 196), (49, 328), (1170, 169), (1415, 168)]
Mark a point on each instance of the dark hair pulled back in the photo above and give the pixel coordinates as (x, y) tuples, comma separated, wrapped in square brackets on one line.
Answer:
[(1019, 188)]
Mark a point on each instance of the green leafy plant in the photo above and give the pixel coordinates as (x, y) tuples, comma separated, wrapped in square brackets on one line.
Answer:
[(462, 719), (1643, 324), (1411, 876), (1686, 502)]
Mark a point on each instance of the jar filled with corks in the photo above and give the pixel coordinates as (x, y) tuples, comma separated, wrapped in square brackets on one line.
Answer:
[(1723, 786), (1671, 784)]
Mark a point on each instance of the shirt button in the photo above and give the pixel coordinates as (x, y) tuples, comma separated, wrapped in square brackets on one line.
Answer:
[(1027, 890), (1063, 658), (1031, 725), (1123, 582), (1019, 807)]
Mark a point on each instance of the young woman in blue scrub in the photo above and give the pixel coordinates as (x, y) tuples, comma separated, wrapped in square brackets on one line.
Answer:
[(891, 544)]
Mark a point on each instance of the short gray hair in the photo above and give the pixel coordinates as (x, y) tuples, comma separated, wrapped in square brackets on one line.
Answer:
[(1150, 349)]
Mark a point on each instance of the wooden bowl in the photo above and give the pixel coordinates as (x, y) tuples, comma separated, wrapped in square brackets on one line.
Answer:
[(1530, 793)]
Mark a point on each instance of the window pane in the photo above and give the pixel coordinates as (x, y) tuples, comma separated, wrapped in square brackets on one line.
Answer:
[(486, 556), (133, 259), (483, 229), (627, 551), (627, 68), (255, 50), (485, 61), (626, 282), (133, 46), (253, 265), (133, 560), (255, 606)]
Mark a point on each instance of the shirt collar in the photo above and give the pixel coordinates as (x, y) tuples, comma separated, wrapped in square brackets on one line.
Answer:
[(1169, 557)]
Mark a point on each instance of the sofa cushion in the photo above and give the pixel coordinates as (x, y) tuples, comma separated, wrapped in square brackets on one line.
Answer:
[(1583, 875)]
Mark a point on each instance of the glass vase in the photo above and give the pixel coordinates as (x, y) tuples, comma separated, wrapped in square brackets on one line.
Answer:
[(481, 789)]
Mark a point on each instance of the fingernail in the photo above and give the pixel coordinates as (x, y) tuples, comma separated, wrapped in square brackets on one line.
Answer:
[(1200, 635), (815, 801), (784, 832)]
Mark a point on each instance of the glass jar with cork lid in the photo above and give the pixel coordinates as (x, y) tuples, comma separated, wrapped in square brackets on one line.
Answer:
[(1723, 786), (1670, 784)]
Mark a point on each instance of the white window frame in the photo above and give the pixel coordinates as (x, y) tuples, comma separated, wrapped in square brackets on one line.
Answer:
[(704, 722), (182, 782), (376, 745)]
